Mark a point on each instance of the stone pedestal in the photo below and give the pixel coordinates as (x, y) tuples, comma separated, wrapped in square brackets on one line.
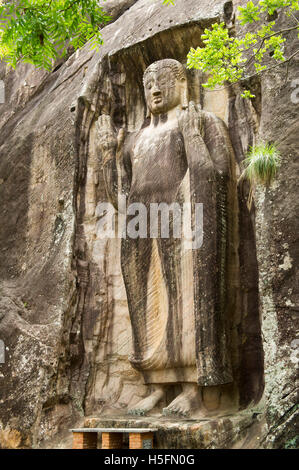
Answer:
[(218, 432)]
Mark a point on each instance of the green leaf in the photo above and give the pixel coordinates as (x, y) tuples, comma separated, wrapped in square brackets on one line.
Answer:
[(34, 30), (249, 13)]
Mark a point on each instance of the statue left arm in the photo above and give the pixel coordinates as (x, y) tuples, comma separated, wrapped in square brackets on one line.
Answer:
[(207, 142), (207, 158), (217, 140)]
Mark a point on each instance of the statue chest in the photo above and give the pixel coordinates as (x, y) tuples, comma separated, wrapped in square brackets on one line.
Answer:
[(158, 162)]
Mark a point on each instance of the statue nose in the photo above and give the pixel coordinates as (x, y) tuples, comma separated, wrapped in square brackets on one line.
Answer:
[(156, 91)]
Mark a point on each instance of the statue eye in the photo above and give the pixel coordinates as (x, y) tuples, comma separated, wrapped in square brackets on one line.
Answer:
[(148, 85), (163, 81)]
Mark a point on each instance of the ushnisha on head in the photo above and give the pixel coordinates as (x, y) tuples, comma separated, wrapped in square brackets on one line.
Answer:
[(165, 86)]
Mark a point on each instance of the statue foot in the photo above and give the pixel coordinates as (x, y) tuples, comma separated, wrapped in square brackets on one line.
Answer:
[(186, 402), (148, 403)]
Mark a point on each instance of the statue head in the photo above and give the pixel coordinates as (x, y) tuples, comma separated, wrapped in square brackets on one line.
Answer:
[(165, 86)]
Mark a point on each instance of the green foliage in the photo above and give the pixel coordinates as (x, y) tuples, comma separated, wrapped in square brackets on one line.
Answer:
[(247, 94), (39, 31), (270, 6), (220, 57), (260, 167), (292, 443), (228, 59), (262, 163), (249, 13)]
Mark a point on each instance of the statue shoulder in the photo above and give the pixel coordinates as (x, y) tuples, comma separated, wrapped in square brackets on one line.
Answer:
[(130, 141)]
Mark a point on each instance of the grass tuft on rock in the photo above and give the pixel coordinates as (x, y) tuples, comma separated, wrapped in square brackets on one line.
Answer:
[(262, 163), (260, 167)]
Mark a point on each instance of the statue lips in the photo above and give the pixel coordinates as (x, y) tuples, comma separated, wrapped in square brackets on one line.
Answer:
[(157, 104), (157, 100)]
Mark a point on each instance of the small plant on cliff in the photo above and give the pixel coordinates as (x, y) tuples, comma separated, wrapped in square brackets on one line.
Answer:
[(260, 166)]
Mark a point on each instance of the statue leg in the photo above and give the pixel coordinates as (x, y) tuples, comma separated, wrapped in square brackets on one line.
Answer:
[(136, 258), (135, 263), (170, 255), (190, 399)]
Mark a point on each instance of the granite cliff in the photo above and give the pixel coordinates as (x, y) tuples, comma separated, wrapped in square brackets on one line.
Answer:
[(63, 312)]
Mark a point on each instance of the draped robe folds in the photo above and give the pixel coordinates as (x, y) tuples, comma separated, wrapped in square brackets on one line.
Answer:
[(177, 295)]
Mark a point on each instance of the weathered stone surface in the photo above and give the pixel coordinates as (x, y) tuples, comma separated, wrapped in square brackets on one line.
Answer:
[(176, 290), (227, 432), (64, 317), (116, 8)]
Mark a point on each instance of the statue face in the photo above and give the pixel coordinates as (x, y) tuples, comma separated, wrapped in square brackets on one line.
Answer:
[(162, 90)]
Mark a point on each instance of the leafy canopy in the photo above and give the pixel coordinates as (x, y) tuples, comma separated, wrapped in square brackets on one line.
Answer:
[(229, 59), (39, 31)]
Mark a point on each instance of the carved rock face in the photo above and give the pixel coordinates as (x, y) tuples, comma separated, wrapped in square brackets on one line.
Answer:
[(164, 86)]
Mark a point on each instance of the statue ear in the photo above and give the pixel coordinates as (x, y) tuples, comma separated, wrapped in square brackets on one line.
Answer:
[(184, 94)]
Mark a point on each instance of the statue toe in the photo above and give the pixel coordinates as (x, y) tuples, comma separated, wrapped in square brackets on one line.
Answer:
[(137, 412)]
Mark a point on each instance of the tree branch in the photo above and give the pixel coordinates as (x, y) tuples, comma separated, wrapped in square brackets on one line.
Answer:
[(70, 6), (286, 30), (294, 17), (286, 61)]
